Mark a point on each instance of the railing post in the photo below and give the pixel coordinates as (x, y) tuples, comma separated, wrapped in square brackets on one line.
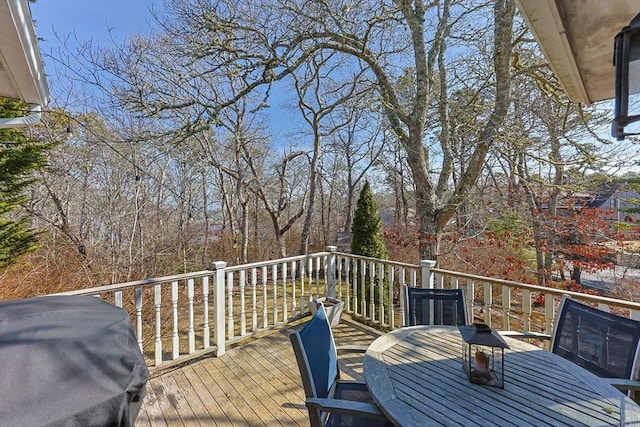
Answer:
[(330, 273), (218, 306), (427, 277)]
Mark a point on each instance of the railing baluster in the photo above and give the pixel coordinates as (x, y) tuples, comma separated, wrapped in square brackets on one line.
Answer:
[(470, 294), (265, 306), (254, 299), (331, 273), (310, 275), (372, 301), (138, 304), (347, 283), (506, 308), (243, 313), (402, 291), (338, 277), (206, 339), (390, 310), (285, 304), (380, 268), (175, 343), (355, 275), (191, 330), (274, 281), (363, 275), (230, 324), (318, 276), (549, 310), (117, 298), (526, 309), (303, 279), (294, 300), (157, 298), (325, 272), (488, 300)]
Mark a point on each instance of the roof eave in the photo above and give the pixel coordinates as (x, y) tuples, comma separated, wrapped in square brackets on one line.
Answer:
[(21, 68), (546, 24)]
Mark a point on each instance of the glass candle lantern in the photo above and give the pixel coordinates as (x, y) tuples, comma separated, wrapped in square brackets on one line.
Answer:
[(483, 355)]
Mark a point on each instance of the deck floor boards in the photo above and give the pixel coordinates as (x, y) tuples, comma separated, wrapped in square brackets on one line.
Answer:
[(254, 384)]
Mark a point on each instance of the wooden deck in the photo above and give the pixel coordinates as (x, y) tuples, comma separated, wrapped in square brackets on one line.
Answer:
[(253, 384)]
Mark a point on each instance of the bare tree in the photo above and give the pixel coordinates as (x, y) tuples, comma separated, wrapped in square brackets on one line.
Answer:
[(319, 96), (187, 67), (279, 191), (231, 157), (398, 177), (203, 41)]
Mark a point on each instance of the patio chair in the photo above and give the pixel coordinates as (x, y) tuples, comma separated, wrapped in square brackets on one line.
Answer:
[(603, 343), (330, 400), (428, 306)]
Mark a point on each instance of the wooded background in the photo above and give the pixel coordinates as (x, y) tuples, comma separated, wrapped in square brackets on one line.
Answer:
[(244, 131)]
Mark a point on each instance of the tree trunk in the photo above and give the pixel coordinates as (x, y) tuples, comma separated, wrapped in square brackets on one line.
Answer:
[(576, 272), (244, 234), (433, 219), (425, 208), (313, 180), (349, 208)]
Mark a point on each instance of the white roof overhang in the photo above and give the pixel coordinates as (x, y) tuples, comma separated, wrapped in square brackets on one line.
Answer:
[(576, 37), (21, 71)]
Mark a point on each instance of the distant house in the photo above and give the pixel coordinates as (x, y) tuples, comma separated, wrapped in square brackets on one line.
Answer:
[(625, 203)]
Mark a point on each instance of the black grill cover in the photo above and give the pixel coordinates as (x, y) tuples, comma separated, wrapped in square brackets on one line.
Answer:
[(68, 361)]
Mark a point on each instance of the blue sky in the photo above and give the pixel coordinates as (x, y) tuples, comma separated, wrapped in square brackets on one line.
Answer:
[(90, 19), (78, 22)]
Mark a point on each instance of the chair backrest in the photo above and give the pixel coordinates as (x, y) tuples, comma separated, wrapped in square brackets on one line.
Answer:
[(428, 306), (317, 359), (601, 342)]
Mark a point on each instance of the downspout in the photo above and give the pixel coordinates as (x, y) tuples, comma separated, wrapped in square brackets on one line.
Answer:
[(33, 117)]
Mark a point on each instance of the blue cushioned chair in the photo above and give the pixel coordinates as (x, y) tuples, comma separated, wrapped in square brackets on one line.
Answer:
[(330, 401), (429, 306)]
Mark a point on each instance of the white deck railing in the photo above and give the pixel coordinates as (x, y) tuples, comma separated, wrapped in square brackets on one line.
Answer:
[(508, 305), (183, 316)]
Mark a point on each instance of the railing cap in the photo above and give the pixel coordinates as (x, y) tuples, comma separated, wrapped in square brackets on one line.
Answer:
[(219, 265), (427, 263)]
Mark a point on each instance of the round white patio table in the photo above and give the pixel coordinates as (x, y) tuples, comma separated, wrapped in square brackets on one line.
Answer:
[(416, 376)]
